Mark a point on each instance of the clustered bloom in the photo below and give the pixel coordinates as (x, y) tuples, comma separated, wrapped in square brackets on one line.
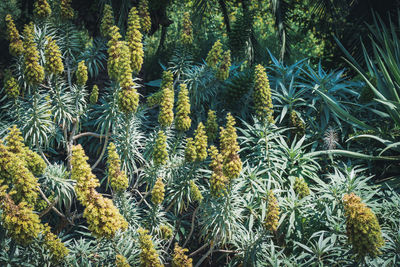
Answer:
[(166, 232), (11, 86), (166, 115), (128, 100), (145, 20), (218, 181), (190, 150), (134, 40), (157, 194), (230, 148), (272, 218), (42, 8), (16, 46), (19, 219), (180, 259), (183, 121), (223, 69), (160, 153), (54, 245), (148, 254), (81, 74), (262, 95), (102, 216), (187, 32), (155, 99), (67, 12), (211, 126), (362, 226), (34, 72), (121, 261), (301, 187), (297, 124), (195, 193), (52, 55), (116, 177), (214, 56), (32, 160), (200, 143), (94, 95), (107, 21)]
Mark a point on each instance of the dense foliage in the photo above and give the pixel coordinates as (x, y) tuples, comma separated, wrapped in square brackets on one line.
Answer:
[(198, 133)]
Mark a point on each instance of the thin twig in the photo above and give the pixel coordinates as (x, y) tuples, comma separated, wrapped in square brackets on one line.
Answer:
[(88, 134), (143, 197), (205, 256), (198, 250), (44, 212), (53, 208), (103, 151), (192, 227), (140, 194), (226, 251)]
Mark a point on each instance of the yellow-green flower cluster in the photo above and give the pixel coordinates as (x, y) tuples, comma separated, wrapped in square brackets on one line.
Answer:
[(67, 12), (54, 245), (362, 226), (262, 95), (187, 32), (180, 259), (114, 53), (52, 55), (16, 46), (297, 124), (155, 99), (116, 177), (218, 181), (166, 232), (94, 95), (148, 254), (107, 21), (301, 187), (195, 193), (190, 150), (223, 69), (33, 161), (160, 153), (22, 224), (102, 216), (145, 20), (157, 194), (272, 218), (211, 126), (230, 148), (200, 142), (11, 86), (214, 56), (34, 72), (128, 100), (166, 115), (81, 74), (121, 261), (183, 120), (134, 40), (42, 8)]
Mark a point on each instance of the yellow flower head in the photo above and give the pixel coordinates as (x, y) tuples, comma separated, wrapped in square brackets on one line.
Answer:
[(157, 194), (67, 12), (214, 56), (148, 254), (11, 86), (107, 21), (301, 187), (16, 45), (200, 142), (195, 192), (190, 150), (219, 181), (117, 178), (134, 40), (34, 72), (362, 226), (211, 126), (121, 261), (166, 232), (81, 74), (94, 95), (54, 245), (160, 153), (223, 69), (180, 259), (183, 121), (272, 218), (145, 20), (262, 95), (42, 8), (187, 32), (53, 58), (230, 149)]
